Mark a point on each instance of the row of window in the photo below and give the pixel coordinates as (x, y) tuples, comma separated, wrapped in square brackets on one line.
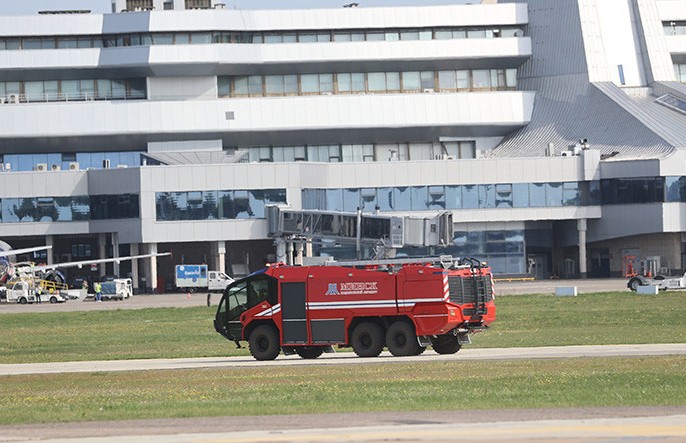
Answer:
[(72, 90), (215, 205), (147, 5), (427, 198), (69, 161), (643, 190), (66, 209), (204, 38), (363, 153), (367, 82)]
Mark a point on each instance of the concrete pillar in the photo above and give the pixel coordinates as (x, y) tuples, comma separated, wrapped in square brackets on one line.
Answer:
[(115, 252), (134, 268), (102, 253), (289, 253), (581, 226), (49, 241), (152, 267), (218, 256), (299, 253), (280, 250)]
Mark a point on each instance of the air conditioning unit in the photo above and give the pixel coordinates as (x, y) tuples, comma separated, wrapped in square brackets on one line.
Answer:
[(55, 167), (565, 153), (13, 98), (42, 167), (74, 166), (122, 166), (429, 91)]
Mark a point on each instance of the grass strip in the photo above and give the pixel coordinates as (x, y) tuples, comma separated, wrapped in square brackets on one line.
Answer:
[(523, 320), (406, 386)]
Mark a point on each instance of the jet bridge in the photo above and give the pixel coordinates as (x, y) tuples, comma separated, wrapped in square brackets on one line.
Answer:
[(292, 227)]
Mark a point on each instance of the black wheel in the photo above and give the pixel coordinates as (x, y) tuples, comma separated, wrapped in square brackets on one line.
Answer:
[(446, 344), (367, 339), (309, 352), (401, 339), (634, 283), (53, 299), (23, 301), (264, 343)]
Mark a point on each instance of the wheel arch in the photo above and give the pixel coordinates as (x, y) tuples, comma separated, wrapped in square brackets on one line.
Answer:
[(253, 324)]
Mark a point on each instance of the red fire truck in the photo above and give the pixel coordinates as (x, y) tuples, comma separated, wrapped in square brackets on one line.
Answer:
[(404, 305)]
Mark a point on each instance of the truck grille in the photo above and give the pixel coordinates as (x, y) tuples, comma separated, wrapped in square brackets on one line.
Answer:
[(476, 289)]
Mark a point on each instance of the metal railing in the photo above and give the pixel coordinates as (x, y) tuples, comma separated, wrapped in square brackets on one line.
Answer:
[(70, 97)]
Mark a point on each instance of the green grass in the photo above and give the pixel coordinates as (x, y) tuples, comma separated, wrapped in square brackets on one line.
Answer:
[(526, 320), (405, 386), (531, 320)]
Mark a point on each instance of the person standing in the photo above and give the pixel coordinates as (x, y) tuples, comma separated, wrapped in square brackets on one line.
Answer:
[(38, 294), (98, 291)]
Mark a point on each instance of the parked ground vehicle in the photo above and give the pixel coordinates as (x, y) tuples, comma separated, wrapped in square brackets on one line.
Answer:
[(198, 277), (404, 305), (117, 289), (662, 283), (21, 291)]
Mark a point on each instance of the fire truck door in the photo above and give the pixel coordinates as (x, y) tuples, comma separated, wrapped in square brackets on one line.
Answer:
[(293, 313)]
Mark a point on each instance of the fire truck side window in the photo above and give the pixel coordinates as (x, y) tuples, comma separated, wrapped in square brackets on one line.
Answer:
[(259, 291), (237, 300)]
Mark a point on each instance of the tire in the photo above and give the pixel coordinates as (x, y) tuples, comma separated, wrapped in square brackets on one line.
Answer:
[(634, 283), (23, 301), (309, 352), (401, 339), (446, 344), (53, 299), (264, 343), (367, 339)]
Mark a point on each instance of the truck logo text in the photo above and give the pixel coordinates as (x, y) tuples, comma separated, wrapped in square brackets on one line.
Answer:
[(353, 288)]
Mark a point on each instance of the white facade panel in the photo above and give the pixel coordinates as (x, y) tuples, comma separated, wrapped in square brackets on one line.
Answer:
[(267, 114), (676, 44), (671, 10)]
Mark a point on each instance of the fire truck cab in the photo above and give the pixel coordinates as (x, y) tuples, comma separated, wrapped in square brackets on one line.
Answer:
[(404, 305)]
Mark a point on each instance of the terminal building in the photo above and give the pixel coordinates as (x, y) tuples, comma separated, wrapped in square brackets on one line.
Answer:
[(553, 131)]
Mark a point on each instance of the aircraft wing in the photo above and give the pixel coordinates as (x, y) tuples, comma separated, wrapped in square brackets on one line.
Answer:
[(79, 264), (23, 251)]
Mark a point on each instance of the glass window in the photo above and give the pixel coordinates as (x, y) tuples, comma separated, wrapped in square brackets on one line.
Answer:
[(427, 80), (375, 36), (70, 89), (255, 85), (273, 38), (307, 38), (462, 79), (34, 91), (481, 78), (341, 36), (437, 197), (290, 38), (520, 195), (503, 196), (570, 194), (476, 33), (402, 197), (326, 83), (290, 84), (537, 195), (182, 39), (409, 35), (470, 197), (511, 78), (554, 194), (309, 83), (486, 196), (467, 150), (66, 42), (411, 81), (51, 90), (393, 81), (334, 200), (446, 80), (444, 35), (420, 201), (376, 81), (201, 38), (242, 207), (274, 84), (453, 195), (391, 36), (358, 82), (351, 200), (223, 86), (240, 85), (31, 43), (104, 89), (385, 199), (425, 35), (344, 82)]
